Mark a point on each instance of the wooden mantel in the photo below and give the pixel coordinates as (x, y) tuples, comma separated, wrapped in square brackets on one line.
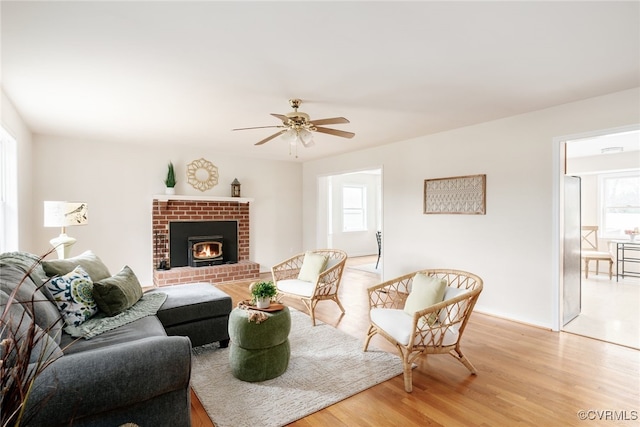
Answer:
[(166, 198)]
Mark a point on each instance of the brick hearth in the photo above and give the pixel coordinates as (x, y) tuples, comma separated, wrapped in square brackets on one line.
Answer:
[(180, 208)]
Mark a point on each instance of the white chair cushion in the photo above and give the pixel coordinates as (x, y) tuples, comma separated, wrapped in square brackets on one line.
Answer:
[(312, 265), (397, 323), (296, 286)]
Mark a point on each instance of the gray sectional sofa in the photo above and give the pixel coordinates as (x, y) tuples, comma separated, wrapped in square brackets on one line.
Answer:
[(138, 372)]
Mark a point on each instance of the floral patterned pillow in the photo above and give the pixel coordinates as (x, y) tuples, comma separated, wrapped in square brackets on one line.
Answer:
[(73, 294)]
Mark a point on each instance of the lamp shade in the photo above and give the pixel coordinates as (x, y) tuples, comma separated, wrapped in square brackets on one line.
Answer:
[(291, 136), (65, 214)]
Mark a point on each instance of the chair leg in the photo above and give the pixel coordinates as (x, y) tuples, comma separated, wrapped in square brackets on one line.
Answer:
[(310, 308), (586, 268), (370, 333), (460, 357), (610, 270), (335, 298), (407, 371)]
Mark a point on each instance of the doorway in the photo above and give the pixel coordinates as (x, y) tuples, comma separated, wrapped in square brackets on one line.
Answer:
[(350, 211), (607, 308)]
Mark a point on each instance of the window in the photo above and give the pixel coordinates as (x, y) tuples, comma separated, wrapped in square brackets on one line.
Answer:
[(619, 203), (8, 193), (354, 215)]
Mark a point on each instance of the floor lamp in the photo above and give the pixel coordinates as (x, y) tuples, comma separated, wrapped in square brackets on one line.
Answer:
[(63, 215)]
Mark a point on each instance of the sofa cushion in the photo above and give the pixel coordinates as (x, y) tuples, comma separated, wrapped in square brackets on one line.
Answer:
[(73, 293), (145, 327), (89, 261), (18, 326), (40, 308), (312, 265), (117, 293), (29, 263), (192, 302)]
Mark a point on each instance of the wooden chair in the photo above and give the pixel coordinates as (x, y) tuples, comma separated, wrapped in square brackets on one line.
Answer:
[(416, 335), (325, 287), (379, 241), (590, 252)]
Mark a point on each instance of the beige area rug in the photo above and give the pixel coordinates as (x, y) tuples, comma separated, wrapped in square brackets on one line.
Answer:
[(326, 366)]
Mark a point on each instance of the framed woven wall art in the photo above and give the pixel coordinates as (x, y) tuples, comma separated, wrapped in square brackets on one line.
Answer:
[(455, 195)]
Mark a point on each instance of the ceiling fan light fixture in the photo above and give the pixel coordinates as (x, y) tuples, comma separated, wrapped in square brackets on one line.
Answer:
[(306, 137), (290, 136)]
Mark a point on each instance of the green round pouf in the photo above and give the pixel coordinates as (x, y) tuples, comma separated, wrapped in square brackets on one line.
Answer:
[(259, 351)]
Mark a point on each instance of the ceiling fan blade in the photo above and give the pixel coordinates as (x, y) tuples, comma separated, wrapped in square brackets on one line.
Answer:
[(269, 138), (335, 132), (258, 127), (280, 116), (331, 121)]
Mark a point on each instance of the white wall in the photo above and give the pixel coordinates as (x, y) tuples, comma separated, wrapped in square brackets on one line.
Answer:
[(15, 126), (511, 247), (118, 182)]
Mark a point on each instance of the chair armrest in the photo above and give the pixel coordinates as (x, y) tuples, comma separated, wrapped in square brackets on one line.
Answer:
[(287, 269), (328, 280), (390, 294), (98, 381), (452, 312)]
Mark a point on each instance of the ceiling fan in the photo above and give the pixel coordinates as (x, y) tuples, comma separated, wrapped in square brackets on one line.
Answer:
[(297, 126)]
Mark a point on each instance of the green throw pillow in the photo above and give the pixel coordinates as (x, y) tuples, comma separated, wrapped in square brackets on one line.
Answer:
[(116, 294), (312, 265), (89, 261), (425, 292)]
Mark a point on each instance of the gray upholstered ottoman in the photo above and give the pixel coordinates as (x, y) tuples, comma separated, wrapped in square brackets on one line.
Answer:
[(259, 351), (199, 311)]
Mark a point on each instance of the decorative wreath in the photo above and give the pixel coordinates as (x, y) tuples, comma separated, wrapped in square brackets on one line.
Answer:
[(202, 174)]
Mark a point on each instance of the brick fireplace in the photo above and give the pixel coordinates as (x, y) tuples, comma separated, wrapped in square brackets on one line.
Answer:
[(193, 208)]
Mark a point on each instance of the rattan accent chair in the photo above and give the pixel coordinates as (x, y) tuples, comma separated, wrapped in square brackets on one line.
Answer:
[(590, 252), (417, 335), (325, 287)]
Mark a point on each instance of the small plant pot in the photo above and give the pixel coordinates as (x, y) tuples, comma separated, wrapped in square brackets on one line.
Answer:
[(169, 191), (263, 302)]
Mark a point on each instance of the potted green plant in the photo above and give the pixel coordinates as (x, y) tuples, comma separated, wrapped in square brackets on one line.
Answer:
[(170, 181), (262, 292)]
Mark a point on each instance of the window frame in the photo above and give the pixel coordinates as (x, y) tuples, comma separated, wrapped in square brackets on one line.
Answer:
[(8, 191), (602, 207), (362, 210)]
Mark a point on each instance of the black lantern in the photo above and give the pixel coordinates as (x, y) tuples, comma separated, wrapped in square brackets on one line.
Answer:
[(235, 188)]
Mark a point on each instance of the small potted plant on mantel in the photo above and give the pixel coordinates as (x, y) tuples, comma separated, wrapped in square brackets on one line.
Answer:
[(170, 182), (262, 292)]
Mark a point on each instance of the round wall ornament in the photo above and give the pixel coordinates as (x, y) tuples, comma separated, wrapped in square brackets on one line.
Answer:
[(202, 174)]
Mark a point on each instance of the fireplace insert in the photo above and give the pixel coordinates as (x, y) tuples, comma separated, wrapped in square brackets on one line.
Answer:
[(225, 233), (205, 250)]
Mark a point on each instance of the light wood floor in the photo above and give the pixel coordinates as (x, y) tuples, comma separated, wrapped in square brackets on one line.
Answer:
[(526, 375)]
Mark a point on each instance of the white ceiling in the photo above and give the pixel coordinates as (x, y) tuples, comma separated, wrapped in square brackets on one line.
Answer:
[(189, 72)]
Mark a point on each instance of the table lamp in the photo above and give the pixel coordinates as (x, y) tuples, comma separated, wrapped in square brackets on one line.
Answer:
[(64, 214)]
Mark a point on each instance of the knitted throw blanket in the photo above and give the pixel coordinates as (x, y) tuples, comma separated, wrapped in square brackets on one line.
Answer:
[(254, 315)]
